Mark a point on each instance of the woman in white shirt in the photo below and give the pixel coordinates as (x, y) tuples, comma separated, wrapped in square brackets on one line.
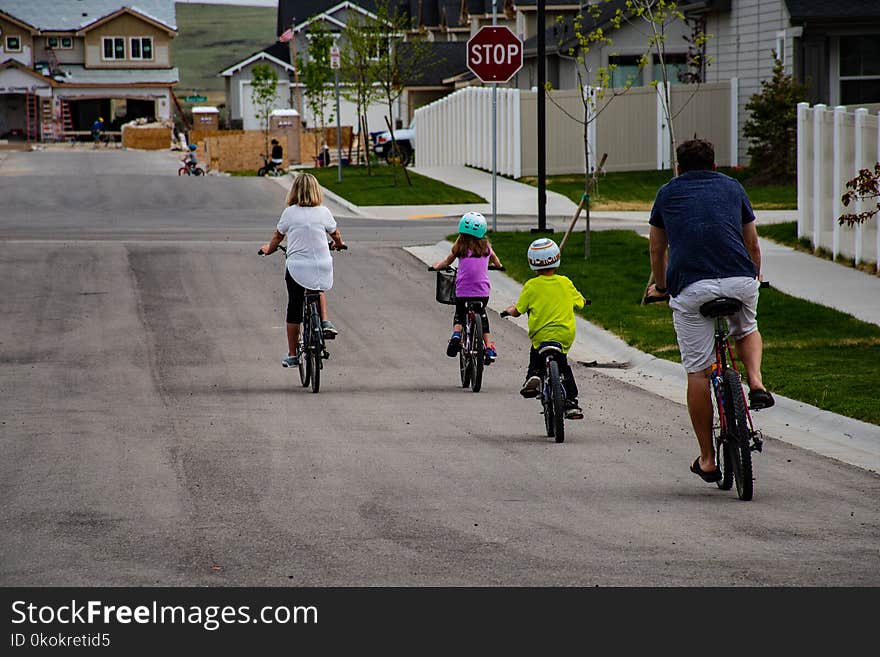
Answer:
[(307, 224)]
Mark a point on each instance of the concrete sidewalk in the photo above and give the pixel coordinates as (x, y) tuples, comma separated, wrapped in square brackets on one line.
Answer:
[(808, 427)]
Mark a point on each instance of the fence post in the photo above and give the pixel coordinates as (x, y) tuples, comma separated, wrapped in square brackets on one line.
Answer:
[(837, 172), (802, 164), (858, 155), (818, 116), (734, 122), (516, 129)]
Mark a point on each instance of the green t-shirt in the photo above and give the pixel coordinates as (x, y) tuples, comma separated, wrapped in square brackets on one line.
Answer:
[(550, 302)]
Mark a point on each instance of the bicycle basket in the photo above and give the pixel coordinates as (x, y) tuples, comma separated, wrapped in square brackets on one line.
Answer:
[(446, 286)]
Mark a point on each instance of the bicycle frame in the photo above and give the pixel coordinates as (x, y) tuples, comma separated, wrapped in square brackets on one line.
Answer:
[(724, 360), (546, 394), (312, 334)]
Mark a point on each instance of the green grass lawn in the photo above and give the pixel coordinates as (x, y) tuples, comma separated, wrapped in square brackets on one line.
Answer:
[(811, 353), (213, 37), (635, 190), (388, 186), (786, 233)]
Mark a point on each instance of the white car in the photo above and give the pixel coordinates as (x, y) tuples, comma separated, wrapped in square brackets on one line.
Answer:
[(406, 142)]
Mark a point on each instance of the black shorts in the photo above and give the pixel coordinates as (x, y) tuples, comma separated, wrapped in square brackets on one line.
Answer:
[(461, 311), (295, 295)]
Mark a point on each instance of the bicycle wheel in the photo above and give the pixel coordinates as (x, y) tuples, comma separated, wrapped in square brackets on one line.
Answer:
[(738, 435), (478, 354), (315, 361), (547, 404), (305, 367), (182, 171), (464, 364), (557, 399), (198, 172), (317, 340), (723, 461)]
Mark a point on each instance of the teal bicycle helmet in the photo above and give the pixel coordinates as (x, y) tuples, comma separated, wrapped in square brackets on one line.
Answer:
[(473, 223), (192, 147)]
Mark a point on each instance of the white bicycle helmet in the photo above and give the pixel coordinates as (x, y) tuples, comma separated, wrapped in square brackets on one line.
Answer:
[(473, 223), (544, 254)]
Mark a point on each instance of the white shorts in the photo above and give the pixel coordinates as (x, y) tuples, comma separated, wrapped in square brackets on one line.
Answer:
[(695, 333)]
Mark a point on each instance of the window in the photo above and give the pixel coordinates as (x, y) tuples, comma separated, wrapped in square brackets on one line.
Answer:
[(13, 44), (114, 48), (142, 48), (625, 70), (676, 68), (859, 69), (59, 43)]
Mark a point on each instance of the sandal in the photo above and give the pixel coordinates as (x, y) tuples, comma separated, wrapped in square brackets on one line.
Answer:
[(708, 477), (759, 399)]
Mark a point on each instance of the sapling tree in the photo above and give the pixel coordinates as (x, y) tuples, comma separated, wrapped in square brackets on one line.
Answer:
[(264, 89)]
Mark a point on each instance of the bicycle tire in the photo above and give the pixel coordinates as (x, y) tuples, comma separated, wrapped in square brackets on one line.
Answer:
[(464, 365), (305, 367), (724, 462), (477, 350), (261, 171), (547, 404), (738, 435), (182, 171), (197, 171), (315, 360), (558, 401)]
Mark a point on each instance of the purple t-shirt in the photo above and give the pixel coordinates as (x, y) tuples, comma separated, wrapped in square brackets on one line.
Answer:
[(472, 279)]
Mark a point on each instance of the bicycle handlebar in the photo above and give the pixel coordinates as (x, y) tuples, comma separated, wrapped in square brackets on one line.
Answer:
[(333, 247), (646, 300)]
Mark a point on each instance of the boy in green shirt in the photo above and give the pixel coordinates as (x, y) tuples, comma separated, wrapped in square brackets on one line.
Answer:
[(549, 300)]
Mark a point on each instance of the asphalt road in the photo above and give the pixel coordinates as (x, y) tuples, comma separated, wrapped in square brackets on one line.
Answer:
[(151, 437)]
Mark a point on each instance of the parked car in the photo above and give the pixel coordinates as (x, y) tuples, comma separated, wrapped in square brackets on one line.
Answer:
[(406, 143)]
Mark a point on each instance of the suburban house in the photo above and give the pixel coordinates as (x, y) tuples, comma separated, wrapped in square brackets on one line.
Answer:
[(242, 113), (431, 81), (64, 64)]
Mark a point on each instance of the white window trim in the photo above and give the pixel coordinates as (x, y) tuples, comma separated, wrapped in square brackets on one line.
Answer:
[(6, 43), (141, 57), (836, 78), (114, 58)]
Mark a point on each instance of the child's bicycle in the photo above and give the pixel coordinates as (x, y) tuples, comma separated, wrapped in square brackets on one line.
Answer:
[(733, 434), (472, 353), (552, 395), (312, 350)]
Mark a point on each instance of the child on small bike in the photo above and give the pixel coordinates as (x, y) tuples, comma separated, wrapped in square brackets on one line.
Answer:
[(549, 300), (190, 160), (474, 254)]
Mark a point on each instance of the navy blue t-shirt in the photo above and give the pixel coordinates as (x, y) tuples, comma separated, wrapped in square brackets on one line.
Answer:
[(703, 213)]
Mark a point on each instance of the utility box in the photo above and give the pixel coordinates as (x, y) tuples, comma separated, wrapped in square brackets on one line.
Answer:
[(287, 122), (206, 118)]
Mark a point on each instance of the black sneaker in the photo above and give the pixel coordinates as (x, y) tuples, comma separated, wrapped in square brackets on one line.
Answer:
[(531, 388), (573, 410), (454, 345)]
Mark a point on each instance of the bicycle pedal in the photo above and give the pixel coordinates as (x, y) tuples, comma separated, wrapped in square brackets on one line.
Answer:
[(325, 355)]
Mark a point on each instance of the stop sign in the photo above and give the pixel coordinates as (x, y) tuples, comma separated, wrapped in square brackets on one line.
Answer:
[(494, 54)]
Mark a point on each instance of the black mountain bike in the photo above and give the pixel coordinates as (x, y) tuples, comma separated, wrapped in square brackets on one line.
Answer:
[(472, 353), (733, 434), (312, 348), (553, 395)]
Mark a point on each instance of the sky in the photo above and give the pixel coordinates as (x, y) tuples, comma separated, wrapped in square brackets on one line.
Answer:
[(251, 3)]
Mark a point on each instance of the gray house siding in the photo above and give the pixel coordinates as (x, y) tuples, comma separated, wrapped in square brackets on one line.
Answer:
[(741, 47)]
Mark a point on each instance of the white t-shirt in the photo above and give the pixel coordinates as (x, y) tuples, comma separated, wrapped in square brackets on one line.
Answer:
[(308, 255)]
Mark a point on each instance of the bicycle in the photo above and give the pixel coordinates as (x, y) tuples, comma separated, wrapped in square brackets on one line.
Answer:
[(553, 394), (733, 433), (472, 352), (269, 168), (312, 348), (190, 169)]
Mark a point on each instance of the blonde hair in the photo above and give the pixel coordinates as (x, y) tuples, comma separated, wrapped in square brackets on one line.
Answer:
[(305, 191)]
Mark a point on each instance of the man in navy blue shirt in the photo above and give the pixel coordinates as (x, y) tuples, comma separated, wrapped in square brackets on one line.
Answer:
[(703, 245)]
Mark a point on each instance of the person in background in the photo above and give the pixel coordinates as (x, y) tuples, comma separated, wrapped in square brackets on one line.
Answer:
[(277, 154), (97, 130)]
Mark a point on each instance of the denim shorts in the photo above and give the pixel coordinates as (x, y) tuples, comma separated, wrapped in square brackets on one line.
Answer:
[(695, 333)]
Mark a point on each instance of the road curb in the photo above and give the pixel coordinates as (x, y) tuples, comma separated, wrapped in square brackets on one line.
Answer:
[(796, 423)]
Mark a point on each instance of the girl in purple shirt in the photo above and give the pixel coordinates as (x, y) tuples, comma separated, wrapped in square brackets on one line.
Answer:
[(474, 254)]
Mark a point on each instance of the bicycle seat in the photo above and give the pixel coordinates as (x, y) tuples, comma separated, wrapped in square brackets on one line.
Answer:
[(549, 346), (721, 307)]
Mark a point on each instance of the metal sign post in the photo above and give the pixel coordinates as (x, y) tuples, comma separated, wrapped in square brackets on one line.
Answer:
[(334, 64)]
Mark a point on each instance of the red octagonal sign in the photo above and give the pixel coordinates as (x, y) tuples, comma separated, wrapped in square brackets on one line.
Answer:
[(494, 54)]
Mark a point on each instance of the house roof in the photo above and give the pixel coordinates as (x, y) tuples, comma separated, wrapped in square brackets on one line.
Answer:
[(448, 58), (77, 74), (292, 12), (71, 15), (803, 10), (278, 53), (12, 63), (560, 34)]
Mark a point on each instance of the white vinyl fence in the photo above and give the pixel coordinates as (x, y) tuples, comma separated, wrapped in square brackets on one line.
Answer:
[(456, 130), (832, 146)]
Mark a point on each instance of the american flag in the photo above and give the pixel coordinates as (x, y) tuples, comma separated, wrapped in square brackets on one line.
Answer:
[(286, 36)]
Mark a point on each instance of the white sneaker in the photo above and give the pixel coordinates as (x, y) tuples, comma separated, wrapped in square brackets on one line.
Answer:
[(290, 361)]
